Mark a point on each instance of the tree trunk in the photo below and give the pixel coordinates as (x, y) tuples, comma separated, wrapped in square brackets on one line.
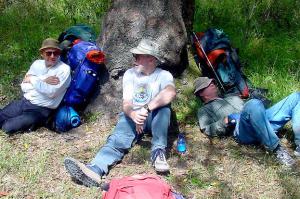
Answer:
[(126, 23)]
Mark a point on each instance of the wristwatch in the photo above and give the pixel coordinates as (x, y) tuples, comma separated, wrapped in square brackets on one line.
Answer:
[(147, 108)]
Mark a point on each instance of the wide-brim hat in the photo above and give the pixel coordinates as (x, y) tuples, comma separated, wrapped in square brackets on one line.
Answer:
[(148, 47), (201, 83), (50, 43)]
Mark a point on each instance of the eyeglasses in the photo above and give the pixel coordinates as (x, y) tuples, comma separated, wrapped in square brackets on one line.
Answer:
[(54, 53)]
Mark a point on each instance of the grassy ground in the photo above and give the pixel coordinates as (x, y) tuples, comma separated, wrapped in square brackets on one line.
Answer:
[(267, 33)]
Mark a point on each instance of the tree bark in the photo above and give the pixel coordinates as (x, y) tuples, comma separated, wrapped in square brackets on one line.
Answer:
[(126, 23)]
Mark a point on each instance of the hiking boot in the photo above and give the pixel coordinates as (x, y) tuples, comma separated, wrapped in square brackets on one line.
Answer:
[(83, 173), (283, 156), (297, 151), (159, 161)]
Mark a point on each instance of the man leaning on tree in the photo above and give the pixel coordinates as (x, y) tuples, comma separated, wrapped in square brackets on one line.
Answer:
[(147, 94)]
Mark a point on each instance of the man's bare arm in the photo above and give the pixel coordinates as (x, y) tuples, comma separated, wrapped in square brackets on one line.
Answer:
[(165, 96)]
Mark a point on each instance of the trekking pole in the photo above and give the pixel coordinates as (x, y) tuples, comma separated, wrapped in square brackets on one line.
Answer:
[(209, 63)]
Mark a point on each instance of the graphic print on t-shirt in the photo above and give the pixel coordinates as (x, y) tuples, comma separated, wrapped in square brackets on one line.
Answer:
[(141, 94)]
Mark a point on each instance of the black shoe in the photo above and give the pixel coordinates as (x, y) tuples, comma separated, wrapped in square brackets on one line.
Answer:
[(283, 156), (82, 173)]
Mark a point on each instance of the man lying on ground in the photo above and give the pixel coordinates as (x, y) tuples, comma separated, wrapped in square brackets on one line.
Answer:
[(250, 122)]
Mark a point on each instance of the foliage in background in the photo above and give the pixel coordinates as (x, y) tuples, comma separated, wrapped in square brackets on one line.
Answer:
[(26, 23), (266, 32), (267, 35)]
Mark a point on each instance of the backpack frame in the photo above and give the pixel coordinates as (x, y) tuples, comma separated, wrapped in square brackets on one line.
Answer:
[(216, 59)]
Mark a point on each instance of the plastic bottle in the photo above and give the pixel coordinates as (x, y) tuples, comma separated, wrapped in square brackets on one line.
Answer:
[(181, 144)]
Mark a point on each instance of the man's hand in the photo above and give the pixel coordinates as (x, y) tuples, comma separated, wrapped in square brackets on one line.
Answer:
[(52, 80), (226, 120), (233, 118), (139, 128), (143, 113), (27, 79), (139, 116)]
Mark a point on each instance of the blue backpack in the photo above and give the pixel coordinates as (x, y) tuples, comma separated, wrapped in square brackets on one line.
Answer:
[(66, 38), (85, 60)]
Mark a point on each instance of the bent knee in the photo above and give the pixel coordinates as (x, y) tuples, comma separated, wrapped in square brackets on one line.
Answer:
[(253, 103), (164, 110), (254, 106)]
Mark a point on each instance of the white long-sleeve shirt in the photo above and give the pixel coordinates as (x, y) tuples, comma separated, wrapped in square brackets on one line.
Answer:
[(39, 92)]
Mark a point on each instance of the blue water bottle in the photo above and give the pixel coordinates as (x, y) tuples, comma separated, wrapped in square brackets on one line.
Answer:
[(181, 144)]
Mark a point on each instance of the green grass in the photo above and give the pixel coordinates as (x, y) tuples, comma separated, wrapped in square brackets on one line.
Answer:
[(267, 34), (91, 116)]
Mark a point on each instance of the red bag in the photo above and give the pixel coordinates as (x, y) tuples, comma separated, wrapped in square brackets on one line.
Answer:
[(139, 187)]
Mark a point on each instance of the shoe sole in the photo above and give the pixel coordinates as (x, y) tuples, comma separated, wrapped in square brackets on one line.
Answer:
[(75, 170), (161, 170)]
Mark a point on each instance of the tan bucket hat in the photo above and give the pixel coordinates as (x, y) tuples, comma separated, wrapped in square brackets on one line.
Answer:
[(201, 83), (50, 43), (148, 47)]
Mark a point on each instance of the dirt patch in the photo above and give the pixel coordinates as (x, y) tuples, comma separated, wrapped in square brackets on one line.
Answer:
[(32, 165)]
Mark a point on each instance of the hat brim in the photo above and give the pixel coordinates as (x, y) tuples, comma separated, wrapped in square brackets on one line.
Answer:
[(54, 47), (137, 51), (203, 86)]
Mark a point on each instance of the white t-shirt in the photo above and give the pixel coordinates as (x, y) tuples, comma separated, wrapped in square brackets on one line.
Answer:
[(42, 94), (141, 89)]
